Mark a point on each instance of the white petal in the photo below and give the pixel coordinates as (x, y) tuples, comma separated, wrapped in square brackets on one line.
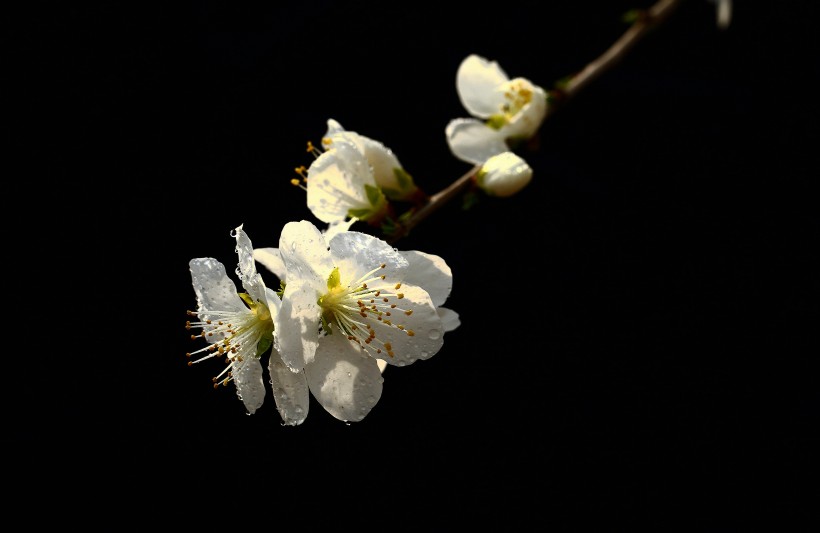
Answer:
[(382, 364), (337, 227), (357, 253), (473, 141), (273, 302), (527, 121), (449, 319), (382, 160), (251, 280), (272, 260), (336, 182), (214, 289), (303, 251), (333, 127), (430, 272), (504, 175), (424, 323), (476, 81), (345, 381), (296, 332), (290, 390), (250, 388)]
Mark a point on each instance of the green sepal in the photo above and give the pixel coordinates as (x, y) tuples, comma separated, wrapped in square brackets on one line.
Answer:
[(281, 292), (497, 121), (374, 195), (361, 214), (264, 345), (632, 16), (404, 179), (470, 199), (326, 326)]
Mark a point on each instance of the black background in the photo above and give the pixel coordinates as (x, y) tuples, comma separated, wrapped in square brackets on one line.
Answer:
[(638, 325)]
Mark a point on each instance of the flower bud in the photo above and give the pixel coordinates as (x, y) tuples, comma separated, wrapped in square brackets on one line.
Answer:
[(504, 175)]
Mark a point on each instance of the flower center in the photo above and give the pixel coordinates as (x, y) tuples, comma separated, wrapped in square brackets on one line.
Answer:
[(364, 314), (234, 334)]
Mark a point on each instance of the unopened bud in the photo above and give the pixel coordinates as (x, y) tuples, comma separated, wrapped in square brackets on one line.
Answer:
[(504, 174)]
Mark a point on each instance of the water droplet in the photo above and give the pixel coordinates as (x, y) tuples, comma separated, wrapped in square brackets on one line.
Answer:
[(434, 334)]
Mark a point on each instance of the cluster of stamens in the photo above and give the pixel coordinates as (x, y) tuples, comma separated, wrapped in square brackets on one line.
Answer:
[(357, 311), (231, 334), (301, 170), (517, 97)]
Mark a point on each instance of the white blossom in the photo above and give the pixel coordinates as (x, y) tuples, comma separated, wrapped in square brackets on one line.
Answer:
[(504, 111), (240, 328)]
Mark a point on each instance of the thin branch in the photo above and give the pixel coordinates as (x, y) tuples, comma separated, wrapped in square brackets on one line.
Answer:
[(646, 20)]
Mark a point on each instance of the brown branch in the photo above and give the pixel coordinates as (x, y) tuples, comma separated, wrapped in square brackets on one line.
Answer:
[(646, 20)]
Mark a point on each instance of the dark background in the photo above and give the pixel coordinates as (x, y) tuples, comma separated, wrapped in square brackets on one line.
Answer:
[(638, 325)]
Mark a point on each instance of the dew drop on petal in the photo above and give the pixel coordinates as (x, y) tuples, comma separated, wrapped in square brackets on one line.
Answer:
[(434, 334)]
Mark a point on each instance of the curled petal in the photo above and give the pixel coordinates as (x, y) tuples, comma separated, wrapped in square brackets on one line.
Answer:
[(528, 119), (476, 81), (344, 380), (272, 260), (251, 280), (473, 141), (336, 182)]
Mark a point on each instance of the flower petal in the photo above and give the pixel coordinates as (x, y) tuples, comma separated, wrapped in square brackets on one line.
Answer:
[(345, 381), (290, 390), (247, 375), (303, 251), (357, 253), (473, 141), (422, 335), (449, 319), (296, 332), (430, 272), (382, 160), (476, 81), (214, 289), (251, 280), (526, 122), (272, 260), (336, 182)]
